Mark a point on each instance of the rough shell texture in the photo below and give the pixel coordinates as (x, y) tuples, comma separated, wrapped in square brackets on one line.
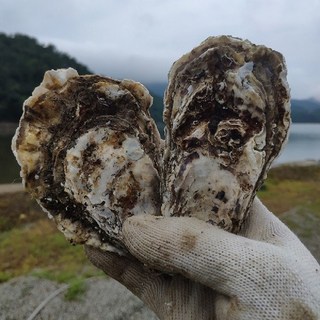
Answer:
[(227, 117), (90, 154)]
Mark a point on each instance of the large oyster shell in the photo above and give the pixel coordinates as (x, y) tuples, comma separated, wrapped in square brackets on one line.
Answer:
[(227, 117), (90, 154)]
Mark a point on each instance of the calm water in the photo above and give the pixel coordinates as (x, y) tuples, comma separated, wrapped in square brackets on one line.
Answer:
[(9, 169), (304, 144)]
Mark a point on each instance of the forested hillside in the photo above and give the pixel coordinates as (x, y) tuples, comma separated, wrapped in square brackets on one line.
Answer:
[(23, 61)]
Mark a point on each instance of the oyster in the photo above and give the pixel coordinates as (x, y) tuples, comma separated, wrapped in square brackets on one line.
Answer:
[(90, 154), (227, 114)]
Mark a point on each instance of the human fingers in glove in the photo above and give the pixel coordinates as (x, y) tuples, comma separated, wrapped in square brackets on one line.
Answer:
[(186, 269)]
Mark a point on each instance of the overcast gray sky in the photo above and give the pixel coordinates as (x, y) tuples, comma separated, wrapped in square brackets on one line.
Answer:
[(140, 39)]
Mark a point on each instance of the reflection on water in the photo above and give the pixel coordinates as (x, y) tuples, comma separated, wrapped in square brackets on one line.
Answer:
[(304, 144)]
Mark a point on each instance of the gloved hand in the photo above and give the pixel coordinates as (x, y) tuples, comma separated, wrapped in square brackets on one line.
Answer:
[(184, 268)]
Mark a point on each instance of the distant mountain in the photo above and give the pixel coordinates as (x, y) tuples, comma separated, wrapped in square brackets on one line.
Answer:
[(305, 110), (156, 111), (23, 63), (302, 111), (157, 88)]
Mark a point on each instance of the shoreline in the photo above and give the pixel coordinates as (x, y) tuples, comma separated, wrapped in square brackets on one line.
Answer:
[(9, 128), (6, 188), (302, 163)]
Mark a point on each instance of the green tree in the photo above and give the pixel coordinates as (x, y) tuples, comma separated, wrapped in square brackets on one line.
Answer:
[(23, 62)]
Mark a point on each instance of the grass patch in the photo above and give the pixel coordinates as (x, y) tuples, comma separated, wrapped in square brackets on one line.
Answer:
[(282, 195), (292, 192), (295, 172), (289, 186), (41, 249), (17, 209), (31, 244), (5, 276), (77, 288)]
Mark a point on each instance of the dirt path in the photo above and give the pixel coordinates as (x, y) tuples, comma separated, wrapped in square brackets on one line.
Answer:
[(10, 187)]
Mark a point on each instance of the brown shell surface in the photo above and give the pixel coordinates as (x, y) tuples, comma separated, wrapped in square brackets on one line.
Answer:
[(90, 154), (227, 114)]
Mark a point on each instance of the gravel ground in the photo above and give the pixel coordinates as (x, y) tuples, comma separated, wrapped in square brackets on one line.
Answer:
[(104, 299)]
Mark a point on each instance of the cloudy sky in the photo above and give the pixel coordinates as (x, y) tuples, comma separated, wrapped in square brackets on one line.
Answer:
[(140, 39)]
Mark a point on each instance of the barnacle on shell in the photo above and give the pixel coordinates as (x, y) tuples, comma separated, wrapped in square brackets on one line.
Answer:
[(227, 114), (90, 154)]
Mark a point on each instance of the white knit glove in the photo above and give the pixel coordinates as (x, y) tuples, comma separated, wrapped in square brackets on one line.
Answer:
[(208, 273)]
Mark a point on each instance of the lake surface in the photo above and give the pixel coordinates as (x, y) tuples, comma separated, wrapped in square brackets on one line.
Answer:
[(303, 144)]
